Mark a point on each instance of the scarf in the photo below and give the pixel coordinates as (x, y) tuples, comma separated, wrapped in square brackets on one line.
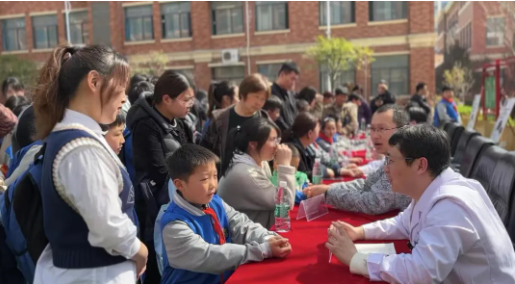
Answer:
[(453, 104), (325, 138)]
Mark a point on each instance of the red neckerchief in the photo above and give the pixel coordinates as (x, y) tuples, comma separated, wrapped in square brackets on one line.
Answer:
[(453, 104), (325, 138), (218, 229)]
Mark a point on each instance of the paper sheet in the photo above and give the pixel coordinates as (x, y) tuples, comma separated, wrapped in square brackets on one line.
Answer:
[(388, 248)]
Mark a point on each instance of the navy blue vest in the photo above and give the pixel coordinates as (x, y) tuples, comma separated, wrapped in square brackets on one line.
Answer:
[(202, 226), (65, 229)]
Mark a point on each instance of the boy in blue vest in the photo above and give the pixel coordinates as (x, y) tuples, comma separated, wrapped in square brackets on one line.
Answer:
[(446, 110), (204, 238)]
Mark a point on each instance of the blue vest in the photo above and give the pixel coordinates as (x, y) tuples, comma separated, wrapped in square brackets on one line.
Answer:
[(202, 226), (451, 112), (15, 162), (65, 229), (128, 158)]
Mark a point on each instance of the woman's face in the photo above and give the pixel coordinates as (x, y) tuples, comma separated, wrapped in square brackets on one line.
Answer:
[(114, 104), (313, 134), (114, 138), (180, 106), (268, 150), (330, 129), (255, 101)]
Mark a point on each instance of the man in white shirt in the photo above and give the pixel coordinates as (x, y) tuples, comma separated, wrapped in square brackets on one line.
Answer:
[(454, 231)]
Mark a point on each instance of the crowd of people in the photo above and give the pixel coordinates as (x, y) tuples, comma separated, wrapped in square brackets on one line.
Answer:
[(150, 179)]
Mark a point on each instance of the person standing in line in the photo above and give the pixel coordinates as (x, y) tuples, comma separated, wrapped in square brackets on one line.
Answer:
[(87, 196), (384, 97), (364, 110), (420, 98), (11, 86), (284, 89)]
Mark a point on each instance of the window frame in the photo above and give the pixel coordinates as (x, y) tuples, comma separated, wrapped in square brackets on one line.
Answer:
[(270, 66), (404, 11), (272, 4), (128, 19), (406, 68), (233, 79), (214, 10), (46, 28), (499, 35), (17, 30), (322, 10), (180, 14), (84, 28)]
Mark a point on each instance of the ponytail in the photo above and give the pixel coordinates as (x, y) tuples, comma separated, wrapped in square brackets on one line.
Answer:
[(256, 129), (61, 75)]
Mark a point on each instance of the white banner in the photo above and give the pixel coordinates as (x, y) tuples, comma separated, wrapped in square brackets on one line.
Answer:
[(474, 113), (500, 124)]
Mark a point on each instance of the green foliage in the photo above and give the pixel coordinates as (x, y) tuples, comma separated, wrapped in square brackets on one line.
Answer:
[(155, 65), (23, 69)]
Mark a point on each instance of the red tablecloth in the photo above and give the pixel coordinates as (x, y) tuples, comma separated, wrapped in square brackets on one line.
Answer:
[(309, 261)]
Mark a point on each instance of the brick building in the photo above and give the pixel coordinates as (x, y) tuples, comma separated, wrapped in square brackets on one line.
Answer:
[(193, 36)]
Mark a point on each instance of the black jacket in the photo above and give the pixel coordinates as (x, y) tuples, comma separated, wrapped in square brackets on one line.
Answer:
[(307, 158), (420, 101), (385, 99), (289, 110), (153, 140)]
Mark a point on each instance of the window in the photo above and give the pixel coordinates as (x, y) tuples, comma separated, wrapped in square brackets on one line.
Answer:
[(387, 10), (227, 17), (230, 73), (342, 12), (14, 35), (271, 71), (495, 31), (138, 23), (175, 19), (271, 15), (466, 36), (78, 27), (345, 77), (45, 31), (394, 70)]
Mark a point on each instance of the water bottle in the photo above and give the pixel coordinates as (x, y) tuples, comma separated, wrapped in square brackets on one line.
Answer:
[(333, 154), (317, 172), (282, 208), (363, 125), (369, 148)]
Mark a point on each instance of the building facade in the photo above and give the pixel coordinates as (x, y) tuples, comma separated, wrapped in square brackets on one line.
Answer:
[(228, 40)]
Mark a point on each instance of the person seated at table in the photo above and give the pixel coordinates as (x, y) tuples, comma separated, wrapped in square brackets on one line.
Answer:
[(245, 184), (374, 194), (454, 231), (328, 135), (417, 115), (204, 238), (300, 177)]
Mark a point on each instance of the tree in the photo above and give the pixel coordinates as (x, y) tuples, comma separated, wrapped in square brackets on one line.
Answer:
[(156, 64), (338, 55), (23, 69), (460, 79)]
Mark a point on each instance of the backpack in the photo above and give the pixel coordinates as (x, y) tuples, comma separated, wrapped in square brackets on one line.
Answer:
[(22, 217), (126, 154)]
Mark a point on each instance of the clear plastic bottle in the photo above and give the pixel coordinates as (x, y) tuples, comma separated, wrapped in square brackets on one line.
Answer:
[(282, 209), (317, 172), (369, 148)]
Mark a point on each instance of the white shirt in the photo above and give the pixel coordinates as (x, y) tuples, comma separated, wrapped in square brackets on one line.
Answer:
[(92, 181), (457, 236), (371, 167)]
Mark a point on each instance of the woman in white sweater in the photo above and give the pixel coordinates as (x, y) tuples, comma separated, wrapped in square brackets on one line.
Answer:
[(245, 183)]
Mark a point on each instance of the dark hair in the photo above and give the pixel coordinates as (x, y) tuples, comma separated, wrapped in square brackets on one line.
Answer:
[(183, 162), (136, 78), (356, 88), (446, 88), (120, 120), (17, 104), (400, 115), (64, 71), (341, 91), (354, 97), (201, 95), (302, 105), (423, 141), (273, 103), (140, 90), (256, 129), (289, 67), (327, 119), (12, 82), (328, 94), (254, 83), (172, 84), (308, 94), (294, 151), (217, 91), (304, 122), (417, 114), (25, 130), (420, 86), (152, 79)]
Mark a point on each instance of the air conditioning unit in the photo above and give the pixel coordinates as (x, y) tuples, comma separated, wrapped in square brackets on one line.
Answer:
[(230, 56)]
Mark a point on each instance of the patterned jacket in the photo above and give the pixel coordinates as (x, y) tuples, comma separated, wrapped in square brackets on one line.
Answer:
[(372, 196)]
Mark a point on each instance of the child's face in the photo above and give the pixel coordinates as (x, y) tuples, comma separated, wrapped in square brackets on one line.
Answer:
[(330, 129), (295, 161), (114, 138), (201, 184), (274, 114)]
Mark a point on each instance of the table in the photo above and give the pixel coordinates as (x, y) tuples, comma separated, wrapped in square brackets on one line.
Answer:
[(309, 261)]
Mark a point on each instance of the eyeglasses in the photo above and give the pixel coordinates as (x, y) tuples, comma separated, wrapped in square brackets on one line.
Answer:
[(187, 102), (388, 160), (382, 130), (276, 140)]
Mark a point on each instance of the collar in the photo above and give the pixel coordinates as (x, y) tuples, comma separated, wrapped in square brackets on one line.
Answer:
[(426, 200), (172, 122), (184, 204), (325, 138), (75, 117)]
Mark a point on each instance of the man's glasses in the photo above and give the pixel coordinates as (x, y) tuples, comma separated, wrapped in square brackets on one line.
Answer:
[(388, 160), (381, 130)]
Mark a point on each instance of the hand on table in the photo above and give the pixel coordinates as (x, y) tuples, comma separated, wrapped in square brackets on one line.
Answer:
[(280, 246), (353, 172), (354, 233), (315, 190), (356, 160), (351, 166), (330, 173), (340, 244)]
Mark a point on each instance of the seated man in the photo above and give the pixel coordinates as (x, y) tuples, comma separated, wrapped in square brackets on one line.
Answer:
[(455, 234), (204, 238), (373, 195)]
